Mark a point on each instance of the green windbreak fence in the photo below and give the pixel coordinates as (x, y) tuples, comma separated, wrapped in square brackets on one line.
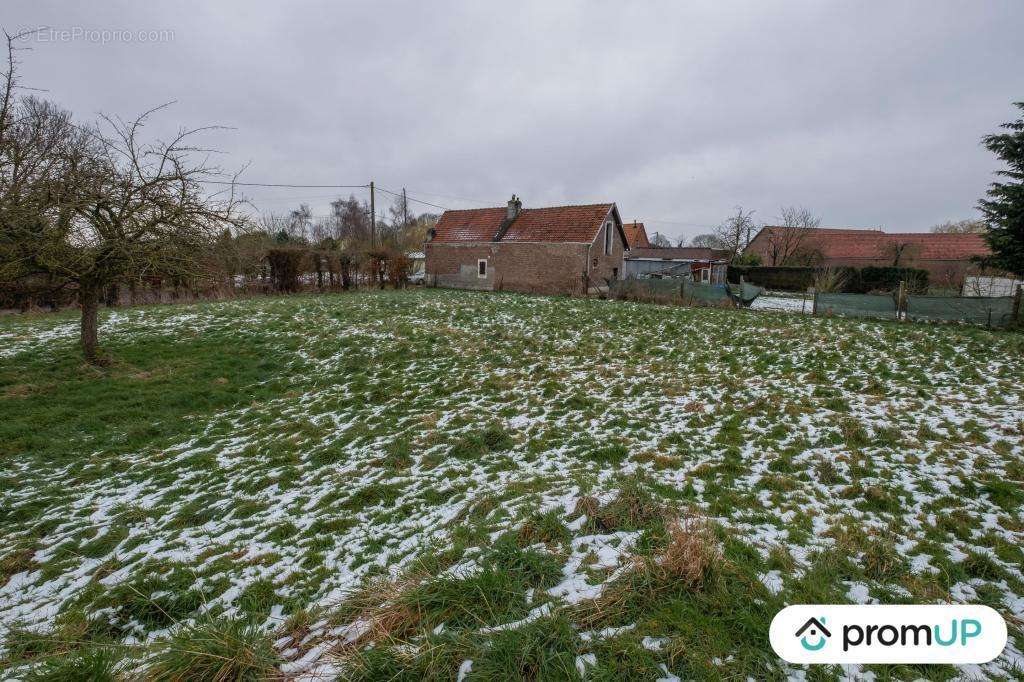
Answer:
[(992, 312), (657, 289), (679, 291), (745, 293), (856, 305), (705, 294)]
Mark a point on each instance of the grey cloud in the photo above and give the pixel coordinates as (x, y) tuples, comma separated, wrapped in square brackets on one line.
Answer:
[(868, 113)]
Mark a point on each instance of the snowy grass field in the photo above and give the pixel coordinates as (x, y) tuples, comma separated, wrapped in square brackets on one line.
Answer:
[(449, 485)]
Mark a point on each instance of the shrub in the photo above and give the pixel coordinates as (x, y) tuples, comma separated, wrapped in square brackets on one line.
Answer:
[(827, 280), (784, 278), (286, 263)]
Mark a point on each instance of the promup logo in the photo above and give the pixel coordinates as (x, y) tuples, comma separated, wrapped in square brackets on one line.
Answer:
[(817, 629), (888, 634)]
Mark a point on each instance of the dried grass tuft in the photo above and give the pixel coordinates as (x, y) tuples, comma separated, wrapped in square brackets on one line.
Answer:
[(691, 552), (688, 562), (376, 614), (587, 505)]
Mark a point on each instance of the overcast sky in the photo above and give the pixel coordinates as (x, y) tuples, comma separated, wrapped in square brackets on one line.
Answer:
[(869, 113)]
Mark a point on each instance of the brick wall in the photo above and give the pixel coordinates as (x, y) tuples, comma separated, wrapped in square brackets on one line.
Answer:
[(529, 267), (606, 266)]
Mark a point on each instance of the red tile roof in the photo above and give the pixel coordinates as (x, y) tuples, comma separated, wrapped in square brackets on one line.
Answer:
[(849, 244), (937, 246), (636, 235), (473, 225), (554, 224)]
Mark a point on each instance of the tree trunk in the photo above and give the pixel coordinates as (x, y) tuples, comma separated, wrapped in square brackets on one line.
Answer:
[(89, 299)]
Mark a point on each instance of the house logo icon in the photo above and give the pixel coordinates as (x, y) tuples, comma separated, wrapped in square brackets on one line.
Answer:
[(817, 632)]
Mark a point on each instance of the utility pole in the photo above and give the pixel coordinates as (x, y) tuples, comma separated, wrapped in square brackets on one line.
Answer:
[(405, 211), (373, 219)]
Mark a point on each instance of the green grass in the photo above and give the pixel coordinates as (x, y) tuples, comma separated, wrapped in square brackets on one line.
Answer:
[(491, 478), (214, 649)]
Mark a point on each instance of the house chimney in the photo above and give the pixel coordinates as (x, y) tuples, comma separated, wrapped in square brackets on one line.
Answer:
[(515, 204)]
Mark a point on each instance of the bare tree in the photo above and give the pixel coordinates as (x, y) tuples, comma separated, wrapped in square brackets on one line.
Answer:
[(736, 231), (660, 241), (140, 211), (351, 220), (399, 211), (966, 226), (299, 221), (899, 253), (94, 207), (708, 241), (790, 242), (276, 227)]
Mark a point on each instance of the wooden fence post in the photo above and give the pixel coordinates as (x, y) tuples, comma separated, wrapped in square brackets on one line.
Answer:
[(814, 301), (1016, 304), (901, 295)]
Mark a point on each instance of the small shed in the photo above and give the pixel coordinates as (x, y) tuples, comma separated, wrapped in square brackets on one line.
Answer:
[(696, 264)]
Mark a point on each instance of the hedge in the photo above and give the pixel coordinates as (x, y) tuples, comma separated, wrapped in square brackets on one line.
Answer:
[(783, 278), (854, 280)]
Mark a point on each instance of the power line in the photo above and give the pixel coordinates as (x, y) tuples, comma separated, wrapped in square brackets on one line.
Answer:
[(411, 198), (675, 222), (408, 197), (271, 184), (304, 186), (297, 197), (458, 198)]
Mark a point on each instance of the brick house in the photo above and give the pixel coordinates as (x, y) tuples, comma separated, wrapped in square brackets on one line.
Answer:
[(948, 258), (555, 250)]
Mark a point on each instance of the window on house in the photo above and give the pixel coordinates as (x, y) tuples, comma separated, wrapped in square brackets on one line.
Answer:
[(608, 238), (481, 268)]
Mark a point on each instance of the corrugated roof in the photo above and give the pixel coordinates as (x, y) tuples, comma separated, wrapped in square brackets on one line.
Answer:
[(680, 253)]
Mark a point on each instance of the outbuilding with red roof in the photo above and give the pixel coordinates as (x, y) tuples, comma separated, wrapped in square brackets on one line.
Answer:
[(553, 250), (636, 235), (947, 257)]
